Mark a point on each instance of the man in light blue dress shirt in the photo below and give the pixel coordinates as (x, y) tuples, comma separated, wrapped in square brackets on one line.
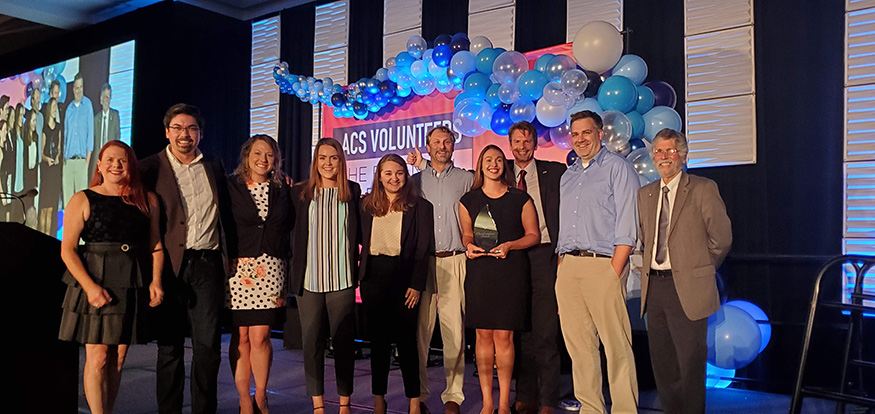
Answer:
[(598, 223), (78, 140)]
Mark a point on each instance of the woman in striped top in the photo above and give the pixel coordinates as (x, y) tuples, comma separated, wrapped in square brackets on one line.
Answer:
[(323, 276)]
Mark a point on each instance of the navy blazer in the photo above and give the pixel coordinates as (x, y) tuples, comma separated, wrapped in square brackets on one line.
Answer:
[(549, 175), (157, 176), (301, 237), (251, 236), (417, 244)]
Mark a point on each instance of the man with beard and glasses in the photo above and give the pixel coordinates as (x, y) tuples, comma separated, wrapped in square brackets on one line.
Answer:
[(686, 235), (538, 352), (443, 184), (598, 228), (194, 214)]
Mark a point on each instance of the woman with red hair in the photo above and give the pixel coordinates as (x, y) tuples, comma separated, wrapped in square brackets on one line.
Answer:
[(115, 274)]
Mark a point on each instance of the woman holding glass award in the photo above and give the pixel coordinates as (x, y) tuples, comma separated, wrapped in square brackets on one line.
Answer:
[(498, 223)]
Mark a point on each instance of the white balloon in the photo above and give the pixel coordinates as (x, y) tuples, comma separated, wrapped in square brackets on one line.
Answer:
[(479, 43), (597, 46), (550, 115)]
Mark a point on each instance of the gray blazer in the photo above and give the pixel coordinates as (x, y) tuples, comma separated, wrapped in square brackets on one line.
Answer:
[(699, 238)]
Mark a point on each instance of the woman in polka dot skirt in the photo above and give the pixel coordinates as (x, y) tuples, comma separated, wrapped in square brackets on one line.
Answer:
[(259, 240)]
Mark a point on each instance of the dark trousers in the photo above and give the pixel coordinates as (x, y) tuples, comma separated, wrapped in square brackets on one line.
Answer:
[(390, 320), (538, 367), (196, 295), (339, 309), (678, 349)]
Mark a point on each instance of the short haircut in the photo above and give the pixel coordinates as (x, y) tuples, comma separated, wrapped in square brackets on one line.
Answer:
[(105, 87), (587, 114), (523, 126), (4, 100), (77, 77), (679, 138), (55, 83), (183, 109), (441, 128)]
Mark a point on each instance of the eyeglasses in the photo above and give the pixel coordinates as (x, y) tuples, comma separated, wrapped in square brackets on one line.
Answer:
[(670, 151), (192, 129)]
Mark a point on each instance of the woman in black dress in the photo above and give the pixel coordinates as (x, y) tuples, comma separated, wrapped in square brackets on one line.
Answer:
[(50, 169), (324, 265), (397, 239), (259, 241), (497, 282), (115, 275)]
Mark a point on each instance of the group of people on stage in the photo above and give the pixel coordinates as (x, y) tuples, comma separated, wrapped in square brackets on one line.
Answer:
[(518, 246), (49, 147)]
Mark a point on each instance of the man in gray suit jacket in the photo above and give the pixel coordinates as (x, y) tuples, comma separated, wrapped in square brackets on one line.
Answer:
[(106, 126), (686, 235)]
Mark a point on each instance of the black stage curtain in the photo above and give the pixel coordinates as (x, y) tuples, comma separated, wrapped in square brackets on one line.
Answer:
[(540, 24), (786, 209), (296, 117), (365, 52), (443, 17)]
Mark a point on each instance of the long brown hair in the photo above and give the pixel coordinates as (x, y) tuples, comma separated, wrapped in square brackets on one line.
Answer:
[(276, 172), (506, 177), (314, 183), (377, 202), (132, 191)]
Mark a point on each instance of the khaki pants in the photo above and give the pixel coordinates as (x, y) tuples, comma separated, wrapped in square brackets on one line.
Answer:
[(75, 176), (592, 307), (444, 298)]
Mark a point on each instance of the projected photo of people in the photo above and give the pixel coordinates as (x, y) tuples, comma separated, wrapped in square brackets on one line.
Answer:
[(55, 118)]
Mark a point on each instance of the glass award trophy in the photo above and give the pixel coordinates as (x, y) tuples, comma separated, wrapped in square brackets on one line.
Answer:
[(485, 232)]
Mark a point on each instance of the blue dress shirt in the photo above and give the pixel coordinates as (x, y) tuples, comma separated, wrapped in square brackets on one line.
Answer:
[(598, 205), (78, 129)]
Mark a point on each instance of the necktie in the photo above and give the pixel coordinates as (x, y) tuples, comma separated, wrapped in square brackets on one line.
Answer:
[(662, 236), (521, 184)]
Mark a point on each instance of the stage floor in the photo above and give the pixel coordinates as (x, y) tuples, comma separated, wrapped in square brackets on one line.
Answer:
[(288, 393)]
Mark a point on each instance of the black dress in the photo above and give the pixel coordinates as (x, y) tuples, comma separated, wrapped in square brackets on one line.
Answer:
[(497, 290), (117, 256)]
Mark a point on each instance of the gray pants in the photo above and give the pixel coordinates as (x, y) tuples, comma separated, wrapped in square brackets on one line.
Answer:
[(339, 308)]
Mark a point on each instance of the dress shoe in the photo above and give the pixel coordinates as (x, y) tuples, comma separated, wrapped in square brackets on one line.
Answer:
[(451, 407)]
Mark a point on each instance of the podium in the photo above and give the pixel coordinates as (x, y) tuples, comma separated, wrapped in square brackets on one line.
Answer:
[(45, 366)]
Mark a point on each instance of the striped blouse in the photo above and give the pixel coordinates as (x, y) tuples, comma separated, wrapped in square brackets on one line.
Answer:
[(328, 248)]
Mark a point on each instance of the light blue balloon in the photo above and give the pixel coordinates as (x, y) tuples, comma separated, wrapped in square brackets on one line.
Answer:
[(550, 115), (632, 67), (436, 71), (392, 73), (463, 63), (419, 70), (405, 80), (522, 110), (381, 75), (531, 84), (472, 116), (508, 93), (618, 93), (758, 315), (714, 376), (404, 60), (416, 45), (588, 104), (637, 121), (658, 118), (734, 338), (423, 86), (543, 61), (492, 95), (645, 100)]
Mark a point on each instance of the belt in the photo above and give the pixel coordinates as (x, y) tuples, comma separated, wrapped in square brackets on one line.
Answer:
[(660, 273), (586, 253), (76, 157), (443, 254), (201, 254)]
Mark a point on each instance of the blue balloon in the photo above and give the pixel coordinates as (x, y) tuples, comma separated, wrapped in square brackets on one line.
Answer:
[(443, 39), (460, 42), (442, 55), (637, 121), (758, 315), (404, 60), (632, 67), (588, 104), (388, 88), (571, 158), (338, 100), (405, 80), (461, 97), (393, 73), (492, 95), (543, 61), (716, 377), (523, 110), (419, 70), (636, 143), (477, 83), (485, 59), (501, 121), (663, 93), (645, 100), (463, 63), (618, 93), (658, 118), (733, 339), (531, 84), (382, 74)]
